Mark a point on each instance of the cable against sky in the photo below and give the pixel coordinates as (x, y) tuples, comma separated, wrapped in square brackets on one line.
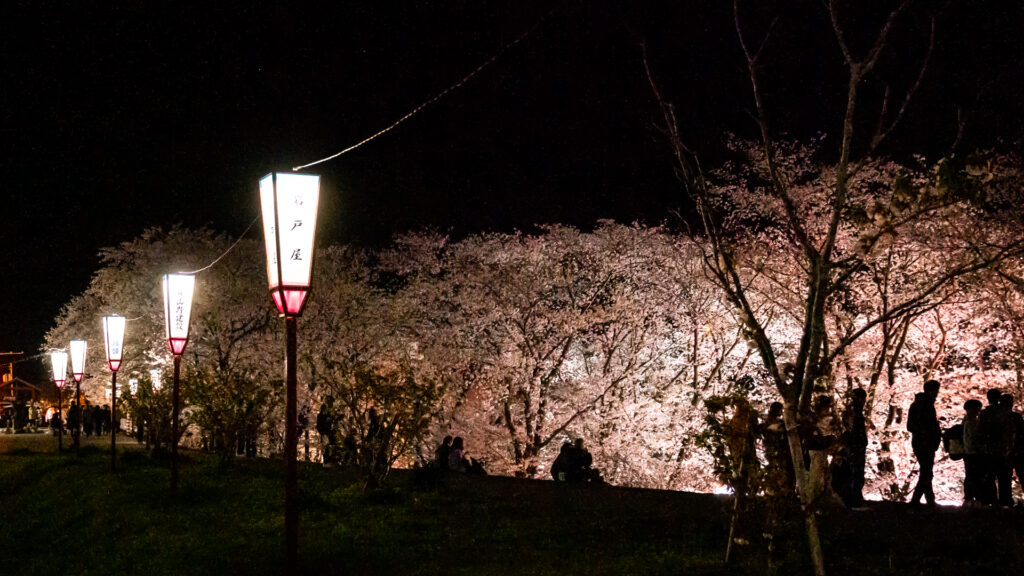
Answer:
[(395, 124), (438, 96), (230, 248)]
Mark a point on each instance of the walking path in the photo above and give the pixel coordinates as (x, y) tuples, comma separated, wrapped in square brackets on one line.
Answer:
[(47, 442)]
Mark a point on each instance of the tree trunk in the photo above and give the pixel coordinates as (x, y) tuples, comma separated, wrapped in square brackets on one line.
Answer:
[(807, 508)]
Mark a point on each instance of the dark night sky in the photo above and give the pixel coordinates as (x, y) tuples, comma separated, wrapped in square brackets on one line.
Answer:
[(117, 116)]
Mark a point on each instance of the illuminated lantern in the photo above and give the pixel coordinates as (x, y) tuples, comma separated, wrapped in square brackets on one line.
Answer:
[(178, 290), (59, 361), (154, 378), (133, 386), (289, 203), (113, 333), (78, 359)]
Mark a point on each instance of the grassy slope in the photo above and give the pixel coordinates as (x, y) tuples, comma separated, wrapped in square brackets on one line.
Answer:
[(68, 516)]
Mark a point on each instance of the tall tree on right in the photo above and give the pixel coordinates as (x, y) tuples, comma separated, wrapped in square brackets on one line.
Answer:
[(818, 219)]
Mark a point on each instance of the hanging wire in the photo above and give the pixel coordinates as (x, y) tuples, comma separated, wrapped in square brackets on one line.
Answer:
[(372, 137), (232, 247), (412, 113), (27, 358), (437, 97)]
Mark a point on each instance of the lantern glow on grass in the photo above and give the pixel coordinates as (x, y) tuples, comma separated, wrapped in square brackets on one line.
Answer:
[(113, 335), (178, 292), (59, 363), (289, 204)]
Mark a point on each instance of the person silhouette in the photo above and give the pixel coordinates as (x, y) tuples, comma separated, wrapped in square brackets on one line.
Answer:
[(855, 446), (560, 467), (442, 451), (926, 436), (973, 471)]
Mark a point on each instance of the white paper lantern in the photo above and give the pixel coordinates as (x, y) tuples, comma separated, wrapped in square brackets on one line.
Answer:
[(113, 334), (178, 291), (289, 205)]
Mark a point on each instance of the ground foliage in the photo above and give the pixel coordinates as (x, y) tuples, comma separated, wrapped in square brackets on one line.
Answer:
[(73, 516)]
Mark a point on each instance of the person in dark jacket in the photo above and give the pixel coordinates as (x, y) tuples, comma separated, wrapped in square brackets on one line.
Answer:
[(1004, 458), (325, 428), (780, 478), (972, 452), (579, 464), (87, 414), (455, 461), (74, 419), (103, 423), (855, 446), (992, 430), (923, 425), (742, 442), (441, 453), (560, 467)]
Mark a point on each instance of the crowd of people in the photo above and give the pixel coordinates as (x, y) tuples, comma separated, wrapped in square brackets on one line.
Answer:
[(88, 420), (989, 440)]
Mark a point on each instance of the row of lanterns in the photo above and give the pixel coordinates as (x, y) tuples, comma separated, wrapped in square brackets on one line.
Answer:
[(289, 208)]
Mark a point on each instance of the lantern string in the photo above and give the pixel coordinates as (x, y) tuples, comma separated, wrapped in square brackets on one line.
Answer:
[(437, 97), (226, 252)]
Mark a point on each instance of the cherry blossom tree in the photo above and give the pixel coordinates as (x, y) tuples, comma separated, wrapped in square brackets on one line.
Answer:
[(832, 215)]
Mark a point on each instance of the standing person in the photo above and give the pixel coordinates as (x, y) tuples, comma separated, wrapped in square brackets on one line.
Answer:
[(926, 437), (1004, 450), (325, 428), (987, 440), (55, 419), (742, 441), (86, 412), (973, 467), (97, 420), (103, 425), (855, 446), (74, 419), (779, 477)]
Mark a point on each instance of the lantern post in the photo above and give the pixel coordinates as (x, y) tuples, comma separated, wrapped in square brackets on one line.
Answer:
[(59, 362), (178, 291), (77, 348), (113, 334), (289, 204)]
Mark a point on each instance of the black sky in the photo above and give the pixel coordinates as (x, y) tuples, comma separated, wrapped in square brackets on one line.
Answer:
[(118, 116)]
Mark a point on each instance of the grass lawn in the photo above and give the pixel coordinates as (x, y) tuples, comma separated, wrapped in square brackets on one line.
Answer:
[(67, 515)]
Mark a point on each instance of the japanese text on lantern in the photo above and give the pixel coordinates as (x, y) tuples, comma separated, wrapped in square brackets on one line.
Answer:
[(179, 313)]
